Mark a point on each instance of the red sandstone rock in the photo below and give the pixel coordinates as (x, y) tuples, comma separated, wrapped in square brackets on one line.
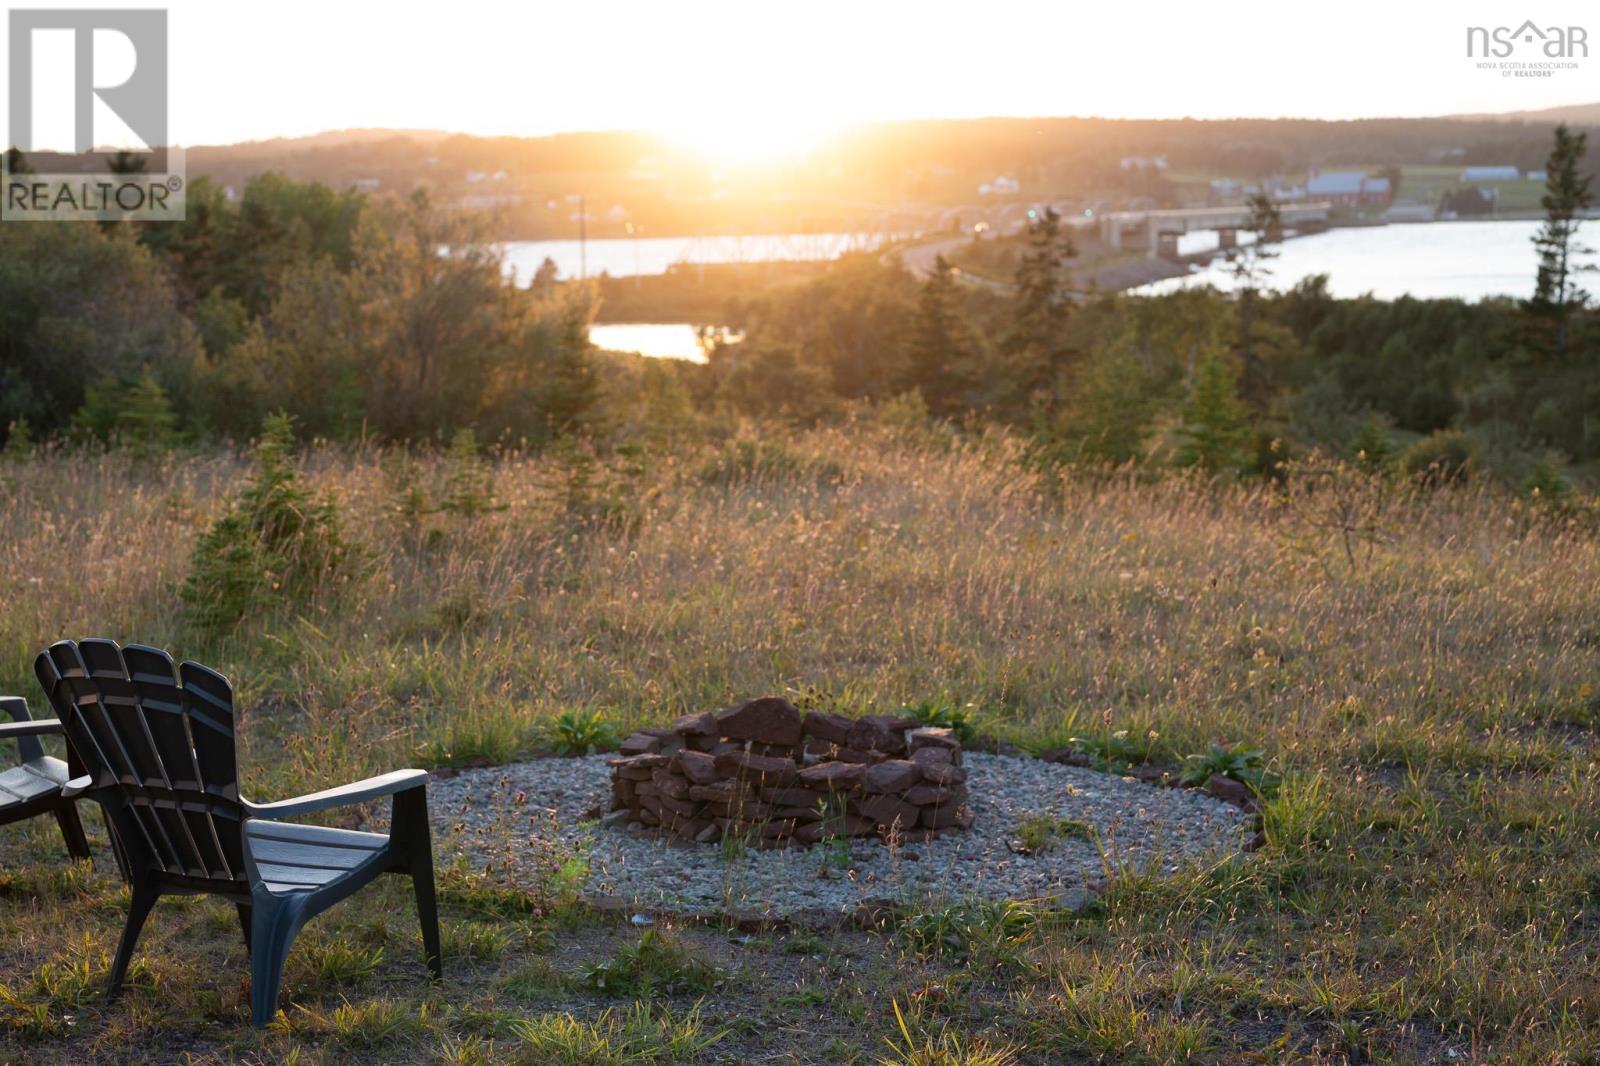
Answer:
[(871, 735), (697, 725), (887, 811), (677, 806), (769, 720), (834, 776), (1228, 790), (640, 743), (932, 736), (895, 775), (791, 797), (944, 773), (776, 751), (670, 784), (834, 728), (722, 790), (926, 795), (763, 769), (699, 767)]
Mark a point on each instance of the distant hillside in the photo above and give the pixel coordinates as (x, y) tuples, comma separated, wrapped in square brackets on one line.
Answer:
[(889, 175), (331, 139), (1574, 114)]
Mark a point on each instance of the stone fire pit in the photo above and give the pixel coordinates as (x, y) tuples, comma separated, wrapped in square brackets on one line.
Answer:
[(772, 777)]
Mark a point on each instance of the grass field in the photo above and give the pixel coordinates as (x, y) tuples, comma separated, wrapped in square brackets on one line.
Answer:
[(1429, 892)]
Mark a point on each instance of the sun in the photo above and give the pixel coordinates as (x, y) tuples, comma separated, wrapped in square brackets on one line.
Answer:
[(752, 139)]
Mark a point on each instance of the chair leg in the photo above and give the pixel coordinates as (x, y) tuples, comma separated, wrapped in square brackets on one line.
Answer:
[(427, 912), (410, 823), (273, 925), (72, 829), (145, 894), (244, 910), (123, 865)]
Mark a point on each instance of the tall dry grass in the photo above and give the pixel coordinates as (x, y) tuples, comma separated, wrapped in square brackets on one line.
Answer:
[(856, 563), (1430, 882)]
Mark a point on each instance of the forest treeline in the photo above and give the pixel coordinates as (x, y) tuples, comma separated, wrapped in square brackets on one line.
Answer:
[(383, 318)]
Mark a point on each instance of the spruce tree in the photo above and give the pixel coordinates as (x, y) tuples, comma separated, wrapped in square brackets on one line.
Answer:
[(1036, 347), (1556, 294), (1250, 267), (145, 422), (571, 391), (939, 346), (1214, 423)]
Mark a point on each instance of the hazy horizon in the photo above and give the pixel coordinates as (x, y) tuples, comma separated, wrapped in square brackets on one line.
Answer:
[(414, 131), (757, 82)]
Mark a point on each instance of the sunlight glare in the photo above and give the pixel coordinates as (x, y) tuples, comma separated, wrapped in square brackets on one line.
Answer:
[(751, 138)]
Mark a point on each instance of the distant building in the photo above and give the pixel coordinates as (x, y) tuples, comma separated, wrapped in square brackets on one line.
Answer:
[(1143, 162), (1537, 175), (1000, 186), (366, 184), (1490, 174), (1348, 187), (488, 202)]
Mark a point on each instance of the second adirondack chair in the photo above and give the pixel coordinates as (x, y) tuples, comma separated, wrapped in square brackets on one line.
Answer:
[(33, 786), (157, 743)]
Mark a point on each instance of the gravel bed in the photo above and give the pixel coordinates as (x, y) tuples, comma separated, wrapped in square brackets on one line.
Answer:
[(525, 820)]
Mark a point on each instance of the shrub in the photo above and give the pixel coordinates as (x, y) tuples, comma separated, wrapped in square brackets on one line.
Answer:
[(19, 439), (995, 930), (581, 733), (276, 544), (469, 486), (946, 716), (1445, 455), (1041, 832), (1547, 480), (745, 461), (656, 964), (1242, 763)]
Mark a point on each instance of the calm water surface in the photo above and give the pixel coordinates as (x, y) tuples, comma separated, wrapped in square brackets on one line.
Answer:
[(1469, 260), (668, 340)]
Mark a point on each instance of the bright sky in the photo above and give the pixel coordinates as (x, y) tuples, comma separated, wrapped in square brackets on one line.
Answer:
[(765, 74)]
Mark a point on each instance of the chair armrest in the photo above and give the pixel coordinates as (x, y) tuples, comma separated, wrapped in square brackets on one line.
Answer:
[(370, 789), (34, 727), (77, 786)]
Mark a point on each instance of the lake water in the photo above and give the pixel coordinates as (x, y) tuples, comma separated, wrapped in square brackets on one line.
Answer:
[(1469, 260), (667, 340), (626, 257)]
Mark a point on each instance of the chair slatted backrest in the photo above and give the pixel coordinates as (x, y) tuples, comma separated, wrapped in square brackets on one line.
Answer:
[(158, 741)]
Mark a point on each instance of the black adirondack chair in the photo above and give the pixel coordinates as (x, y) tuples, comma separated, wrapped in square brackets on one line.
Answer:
[(34, 785), (157, 744)]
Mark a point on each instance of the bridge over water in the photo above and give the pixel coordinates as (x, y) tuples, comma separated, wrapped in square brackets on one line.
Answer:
[(1161, 229)]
